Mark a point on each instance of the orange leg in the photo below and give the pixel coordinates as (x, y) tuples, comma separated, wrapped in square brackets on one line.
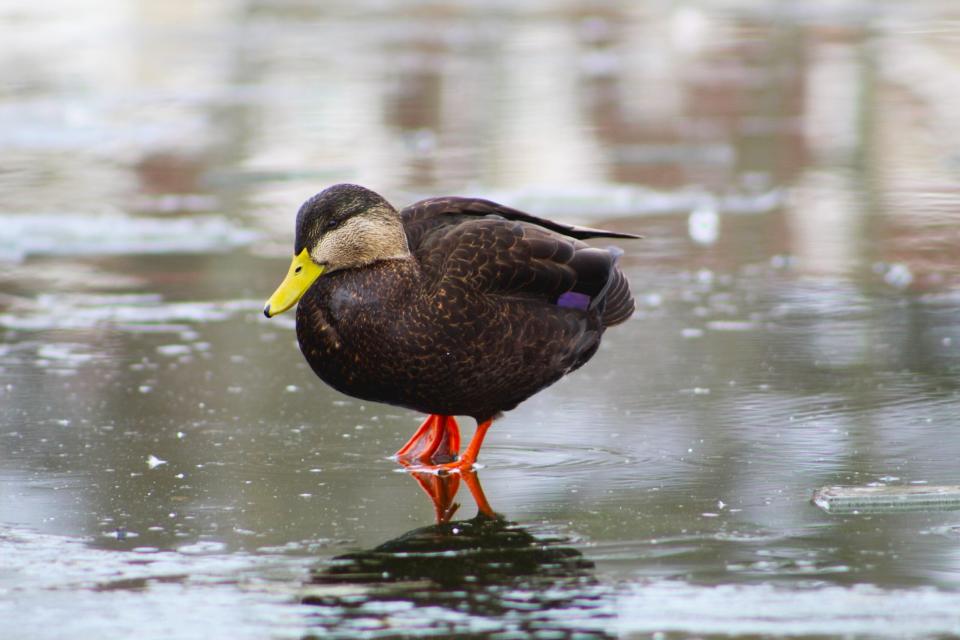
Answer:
[(442, 489), (437, 439), (473, 484)]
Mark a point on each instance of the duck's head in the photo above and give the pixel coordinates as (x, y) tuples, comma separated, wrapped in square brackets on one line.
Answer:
[(343, 227)]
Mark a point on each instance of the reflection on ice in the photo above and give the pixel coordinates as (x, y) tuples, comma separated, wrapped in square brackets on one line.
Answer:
[(482, 574), (479, 574)]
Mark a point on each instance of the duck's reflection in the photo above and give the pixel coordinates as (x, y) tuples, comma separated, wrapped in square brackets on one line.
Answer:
[(443, 488), (485, 571)]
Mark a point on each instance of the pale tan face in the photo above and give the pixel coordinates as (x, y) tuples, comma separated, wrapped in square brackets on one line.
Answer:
[(359, 241), (335, 244)]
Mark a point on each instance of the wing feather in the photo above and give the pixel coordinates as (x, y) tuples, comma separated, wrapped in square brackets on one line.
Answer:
[(465, 243)]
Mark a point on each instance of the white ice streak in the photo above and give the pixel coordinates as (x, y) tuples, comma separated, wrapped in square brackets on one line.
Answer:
[(58, 586), (173, 350), (616, 200), (762, 609), (23, 235), (134, 312)]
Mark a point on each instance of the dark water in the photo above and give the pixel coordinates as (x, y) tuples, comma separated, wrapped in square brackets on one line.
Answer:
[(171, 469)]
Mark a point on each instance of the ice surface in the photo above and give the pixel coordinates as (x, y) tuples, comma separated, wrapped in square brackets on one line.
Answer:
[(883, 498), (63, 587), (133, 312), (611, 200), (25, 235), (761, 610)]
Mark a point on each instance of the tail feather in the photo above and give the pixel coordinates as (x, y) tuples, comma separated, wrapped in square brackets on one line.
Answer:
[(618, 303), (600, 285)]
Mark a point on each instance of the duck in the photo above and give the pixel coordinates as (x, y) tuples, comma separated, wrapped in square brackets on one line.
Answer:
[(451, 306)]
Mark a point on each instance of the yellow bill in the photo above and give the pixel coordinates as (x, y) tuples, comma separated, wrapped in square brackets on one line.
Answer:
[(303, 272)]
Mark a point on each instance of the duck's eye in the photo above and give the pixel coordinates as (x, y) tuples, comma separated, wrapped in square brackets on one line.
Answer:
[(331, 224)]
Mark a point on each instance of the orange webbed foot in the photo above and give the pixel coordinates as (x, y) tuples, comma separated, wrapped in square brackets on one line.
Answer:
[(464, 463), (437, 441)]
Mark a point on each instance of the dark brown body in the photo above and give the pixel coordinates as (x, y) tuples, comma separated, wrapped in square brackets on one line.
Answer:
[(470, 323)]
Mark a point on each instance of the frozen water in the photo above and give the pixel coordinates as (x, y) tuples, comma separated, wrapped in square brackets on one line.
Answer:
[(35, 234), (703, 225), (796, 326), (607, 201), (761, 610), (133, 312)]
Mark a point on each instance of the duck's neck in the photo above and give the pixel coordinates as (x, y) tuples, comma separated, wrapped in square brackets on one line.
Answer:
[(390, 239)]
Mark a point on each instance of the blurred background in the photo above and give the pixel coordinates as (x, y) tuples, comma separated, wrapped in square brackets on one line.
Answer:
[(793, 166), (830, 123)]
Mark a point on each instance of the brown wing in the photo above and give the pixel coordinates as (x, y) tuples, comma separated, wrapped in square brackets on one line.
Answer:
[(483, 246), (426, 214)]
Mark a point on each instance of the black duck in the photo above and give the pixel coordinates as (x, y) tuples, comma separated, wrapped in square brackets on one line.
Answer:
[(453, 306)]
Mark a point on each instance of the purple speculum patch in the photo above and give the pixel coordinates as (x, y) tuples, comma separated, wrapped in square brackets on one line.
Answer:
[(574, 300)]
